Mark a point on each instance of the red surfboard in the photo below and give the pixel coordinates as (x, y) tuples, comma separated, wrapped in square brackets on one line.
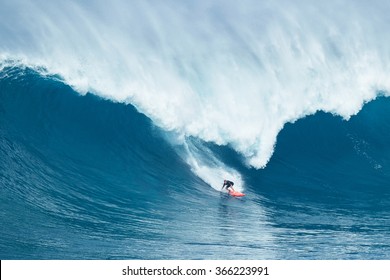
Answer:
[(235, 193)]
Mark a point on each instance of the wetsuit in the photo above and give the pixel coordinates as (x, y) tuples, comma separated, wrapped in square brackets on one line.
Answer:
[(228, 184)]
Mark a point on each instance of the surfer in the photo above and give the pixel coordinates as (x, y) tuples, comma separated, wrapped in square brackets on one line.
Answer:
[(229, 185)]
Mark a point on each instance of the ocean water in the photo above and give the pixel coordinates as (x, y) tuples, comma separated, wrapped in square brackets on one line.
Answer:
[(119, 124)]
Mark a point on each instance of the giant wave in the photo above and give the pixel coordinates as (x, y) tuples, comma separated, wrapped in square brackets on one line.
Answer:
[(82, 177), (226, 73)]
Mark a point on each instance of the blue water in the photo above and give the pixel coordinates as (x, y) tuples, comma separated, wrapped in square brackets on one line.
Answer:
[(83, 177), (119, 123)]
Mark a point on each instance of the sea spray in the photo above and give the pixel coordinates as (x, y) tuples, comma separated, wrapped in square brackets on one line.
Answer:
[(233, 74)]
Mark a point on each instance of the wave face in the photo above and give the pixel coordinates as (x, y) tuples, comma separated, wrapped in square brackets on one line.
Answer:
[(118, 125), (86, 178)]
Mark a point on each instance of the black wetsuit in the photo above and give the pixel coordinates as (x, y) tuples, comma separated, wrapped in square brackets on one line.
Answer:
[(228, 184)]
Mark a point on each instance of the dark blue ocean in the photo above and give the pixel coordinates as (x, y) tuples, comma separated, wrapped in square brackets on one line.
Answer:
[(83, 177)]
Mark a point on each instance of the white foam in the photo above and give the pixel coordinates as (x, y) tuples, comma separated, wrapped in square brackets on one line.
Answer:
[(223, 71), (207, 167)]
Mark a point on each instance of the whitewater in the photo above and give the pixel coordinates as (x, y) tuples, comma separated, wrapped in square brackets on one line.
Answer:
[(226, 73), (129, 112)]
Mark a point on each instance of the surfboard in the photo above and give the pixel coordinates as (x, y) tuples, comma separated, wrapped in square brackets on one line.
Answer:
[(236, 194)]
